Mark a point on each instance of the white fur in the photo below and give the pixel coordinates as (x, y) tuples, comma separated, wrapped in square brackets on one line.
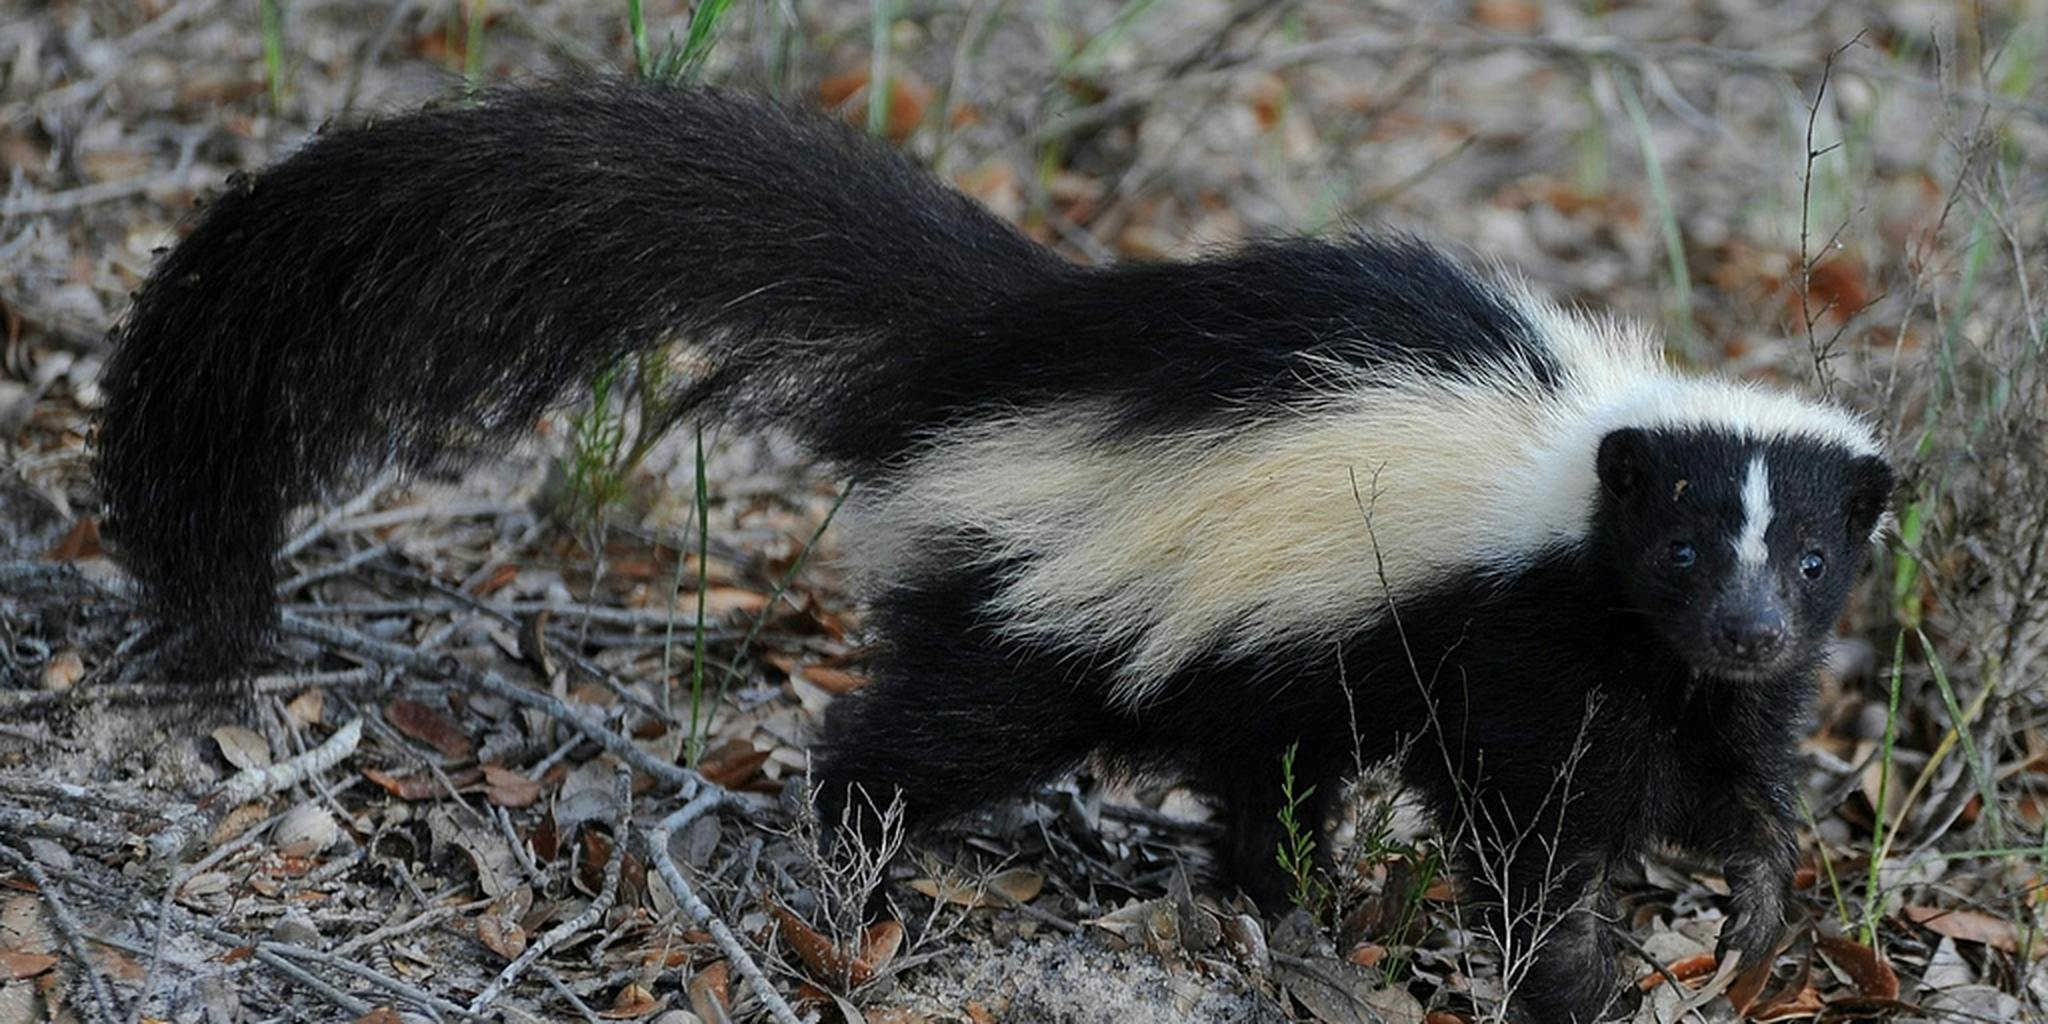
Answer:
[(1750, 549), (1254, 538)]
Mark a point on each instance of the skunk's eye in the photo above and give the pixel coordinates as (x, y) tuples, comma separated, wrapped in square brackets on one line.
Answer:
[(1683, 554), (1812, 564)]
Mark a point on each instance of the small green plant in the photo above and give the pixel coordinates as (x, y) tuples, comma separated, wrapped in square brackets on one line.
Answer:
[(272, 14), (601, 454), (1297, 852)]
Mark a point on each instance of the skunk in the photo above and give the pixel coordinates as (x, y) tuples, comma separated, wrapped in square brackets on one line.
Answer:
[(1340, 497)]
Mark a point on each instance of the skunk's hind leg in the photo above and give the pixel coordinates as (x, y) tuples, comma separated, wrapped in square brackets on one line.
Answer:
[(946, 743)]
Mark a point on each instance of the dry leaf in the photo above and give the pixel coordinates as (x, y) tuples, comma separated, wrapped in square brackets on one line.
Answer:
[(307, 707), (431, 727), (828, 963), (732, 763), (80, 542), (507, 788), (1019, 885), (63, 671), (305, 830), (710, 997), (1688, 970), (835, 681), (1966, 926), (242, 747), (634, 1000), (908, 98), (380, 1015), (1871, 974), (501, 935), (16, 966), (421, 787)]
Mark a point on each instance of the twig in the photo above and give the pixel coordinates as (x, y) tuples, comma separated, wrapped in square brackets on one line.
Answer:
[(189, 179), (253, 783), (657, 849), (1806, 259), (1380, 46), (686, 782), (622, 789), (67, 926), (320, 528), (410, 993)]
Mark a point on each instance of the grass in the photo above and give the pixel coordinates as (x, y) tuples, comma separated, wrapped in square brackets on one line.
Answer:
[(1297, 851), (1683, 332), (271, 14)]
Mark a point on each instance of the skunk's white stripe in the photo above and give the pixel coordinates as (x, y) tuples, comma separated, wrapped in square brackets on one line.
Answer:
[(1160, 550), (1750, 549)]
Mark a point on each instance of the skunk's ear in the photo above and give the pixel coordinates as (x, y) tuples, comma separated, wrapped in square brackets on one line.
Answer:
[(1625, 461), (1870, 492)]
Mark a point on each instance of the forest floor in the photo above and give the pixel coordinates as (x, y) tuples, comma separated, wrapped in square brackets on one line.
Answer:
[(443, 798)]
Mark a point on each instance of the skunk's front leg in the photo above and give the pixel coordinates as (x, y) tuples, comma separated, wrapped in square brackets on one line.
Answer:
[(1746, 822)]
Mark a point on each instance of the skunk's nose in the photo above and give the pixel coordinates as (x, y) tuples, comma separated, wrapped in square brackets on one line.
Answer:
[(1752, 636)]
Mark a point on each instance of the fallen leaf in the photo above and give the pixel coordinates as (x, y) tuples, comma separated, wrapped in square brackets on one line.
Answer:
[(710, 997), (380, 1015), (1018, 885), (1688, 970), (1967, 926), (63, 671), (16, 966), (421, 787), (634, 1000), (908, 98), (80, 542), (1867, 970), (830, 964), (242, 747), (305, 830), (500, 932), (732, 763), (836, 681), (507, 788), (306, 708), (431, 727)]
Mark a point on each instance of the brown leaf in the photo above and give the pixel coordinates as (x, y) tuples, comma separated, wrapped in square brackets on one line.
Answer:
[(835, 681), (830, 964), (710, 997), (242, 747), (634, 1000), (979, 1014), (501, 935), (908, 98), (1367, 955), (1870, 973), (1966, 926), (1688, 970), (16, 966), (80, 542), (420, 787), (499, 579), (732, 763), (1443, 1017), (507, 788), (429, 726), (380, 1015)]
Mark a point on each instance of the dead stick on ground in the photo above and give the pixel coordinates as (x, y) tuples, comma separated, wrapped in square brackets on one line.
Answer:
[(701, 913), (252, 783), (68, 928), (687, 783), (622, 792)]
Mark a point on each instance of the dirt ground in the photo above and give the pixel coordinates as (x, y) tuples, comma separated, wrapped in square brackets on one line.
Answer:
[(444, 798)]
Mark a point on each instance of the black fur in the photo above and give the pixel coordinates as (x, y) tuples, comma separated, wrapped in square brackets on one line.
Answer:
[(437, 280)]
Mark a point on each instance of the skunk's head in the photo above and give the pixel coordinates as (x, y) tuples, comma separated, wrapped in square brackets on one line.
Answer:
[(1739, 550)]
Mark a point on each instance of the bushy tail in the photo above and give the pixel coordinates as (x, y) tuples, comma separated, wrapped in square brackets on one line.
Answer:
[(440, 278)]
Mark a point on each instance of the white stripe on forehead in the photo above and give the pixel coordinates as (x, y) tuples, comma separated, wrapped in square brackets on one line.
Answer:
[(1756, 515)]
